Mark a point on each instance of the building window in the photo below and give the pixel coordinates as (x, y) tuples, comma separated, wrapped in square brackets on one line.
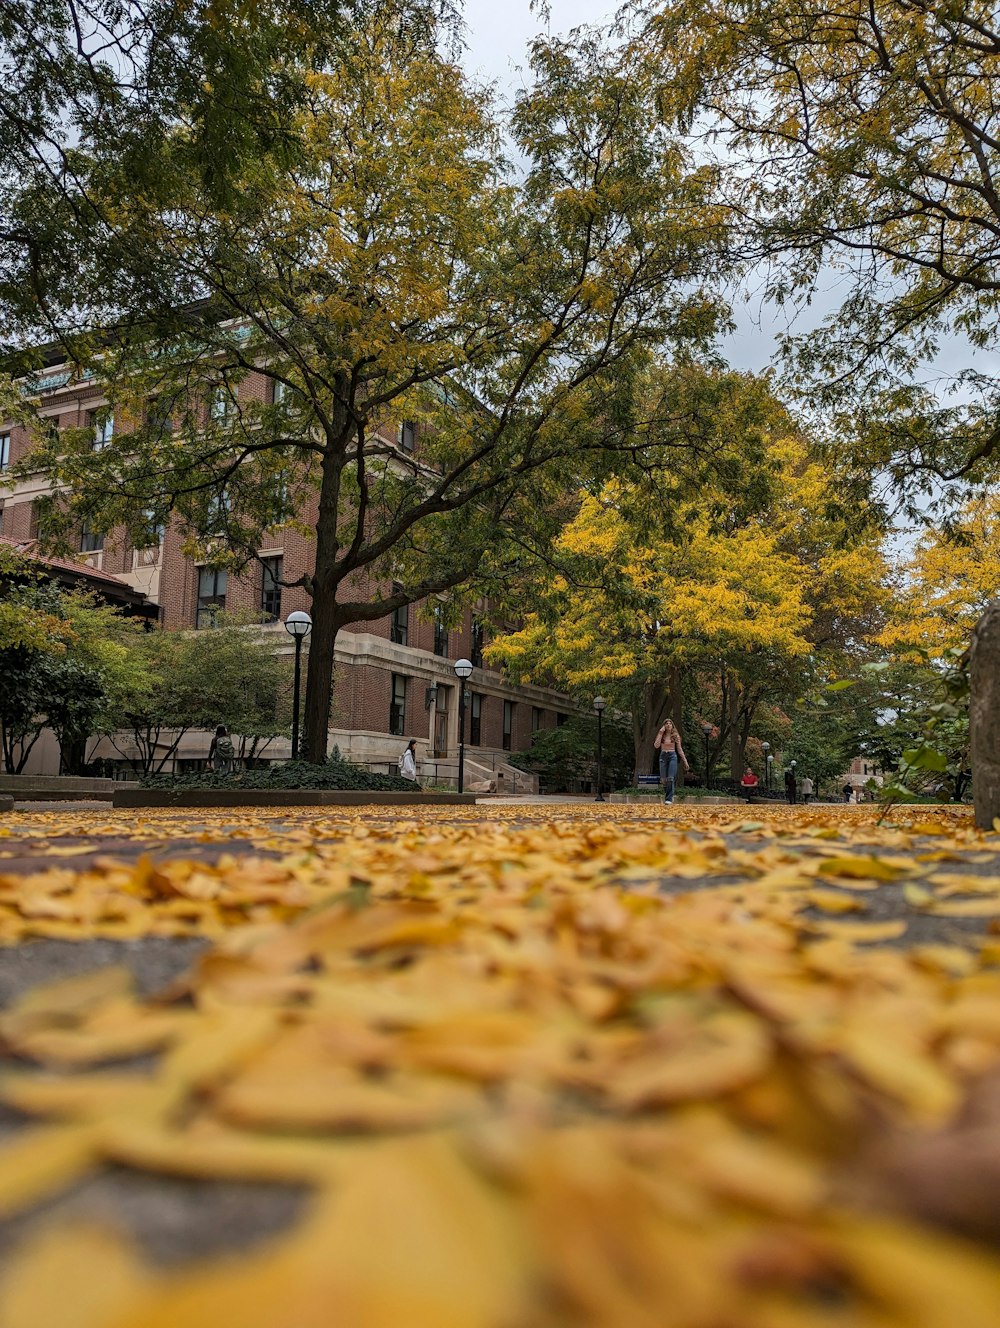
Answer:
[(220, 404), (508, 724), (158, 415), (4, 450), (476, 720), (536, 719), (103, 424), (217, 512), (406, 436), (90, 540), (272, 570), (440, 633), (399, 625), (211, 595), (476, 644), (561, 719), (397, 706)]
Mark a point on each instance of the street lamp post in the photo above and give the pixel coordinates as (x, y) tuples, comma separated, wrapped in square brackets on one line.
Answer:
[(770, 764), (599, 704), (463, 671), (795, 791), (765, 747), (707, 730), (298, 625)]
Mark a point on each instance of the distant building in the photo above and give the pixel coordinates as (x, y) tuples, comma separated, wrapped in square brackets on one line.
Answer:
[(393, 679)]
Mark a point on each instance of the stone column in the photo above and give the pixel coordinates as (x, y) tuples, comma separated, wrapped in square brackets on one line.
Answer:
[(984, 716)]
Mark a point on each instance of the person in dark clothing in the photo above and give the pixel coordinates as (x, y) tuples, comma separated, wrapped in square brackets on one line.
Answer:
[(790, 789)]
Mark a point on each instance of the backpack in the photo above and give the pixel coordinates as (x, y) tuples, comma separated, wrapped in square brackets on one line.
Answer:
[(399, 763), (224, 748)]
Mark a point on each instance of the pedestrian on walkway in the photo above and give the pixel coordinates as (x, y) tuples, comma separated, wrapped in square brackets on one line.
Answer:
[(668, 743), (790, 791), (222, 753), (408, 761), (848, 789), (749, 783), (807, 789)]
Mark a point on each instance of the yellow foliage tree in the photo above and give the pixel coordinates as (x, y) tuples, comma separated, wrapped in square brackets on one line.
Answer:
[(952, 576), (755, 596)]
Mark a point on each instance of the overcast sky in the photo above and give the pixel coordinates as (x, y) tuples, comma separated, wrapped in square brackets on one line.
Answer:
[(497, 36)]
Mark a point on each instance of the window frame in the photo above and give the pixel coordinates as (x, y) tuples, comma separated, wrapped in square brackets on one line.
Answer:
[(476, 719), (274, 589), (221, 404), (5, 451), (406, 436), (91, 541), (507, 736), (441, 634), (399, 625), (477, 639), (102, 421), (208, 605), (397, 704)]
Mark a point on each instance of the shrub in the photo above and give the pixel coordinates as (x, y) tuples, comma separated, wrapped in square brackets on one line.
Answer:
[(332, 774)]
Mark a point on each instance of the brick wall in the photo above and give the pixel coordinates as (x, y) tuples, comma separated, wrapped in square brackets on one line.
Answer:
[(362, 691)]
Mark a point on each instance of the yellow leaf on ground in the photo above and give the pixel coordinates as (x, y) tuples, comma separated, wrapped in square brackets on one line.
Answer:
[(70, 1277), (39, 1162), (890, 930), (875, 869), (832, 901)]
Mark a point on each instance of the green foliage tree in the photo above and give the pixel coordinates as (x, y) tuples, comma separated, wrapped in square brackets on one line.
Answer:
[(73, 681), (102, 87), (389, 268), (861, 137), (567, 754), (198, 680)]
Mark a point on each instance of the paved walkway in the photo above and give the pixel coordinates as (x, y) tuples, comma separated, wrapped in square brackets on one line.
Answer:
[(174, 1220)]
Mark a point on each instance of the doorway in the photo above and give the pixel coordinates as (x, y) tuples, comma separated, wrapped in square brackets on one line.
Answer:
[(441, 721)]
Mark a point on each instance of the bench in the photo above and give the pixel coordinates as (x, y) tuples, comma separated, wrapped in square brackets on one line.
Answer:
[(648, 781)]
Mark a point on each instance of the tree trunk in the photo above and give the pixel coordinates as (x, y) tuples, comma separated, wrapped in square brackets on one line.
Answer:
[(734, 728), (647, 716), (676, 714), (984, 716), (315, 726)]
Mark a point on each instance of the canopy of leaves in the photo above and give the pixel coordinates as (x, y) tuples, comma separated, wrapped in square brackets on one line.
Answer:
[(863, 138), (74, 680), (629, 597), (952, 576), (197, 680), (393, 267)]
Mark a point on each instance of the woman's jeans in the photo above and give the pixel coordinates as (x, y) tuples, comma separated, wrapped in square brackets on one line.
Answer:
[(668, 773)]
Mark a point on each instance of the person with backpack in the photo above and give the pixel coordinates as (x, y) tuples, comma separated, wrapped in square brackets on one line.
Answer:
[(408, 761), (222, 753)]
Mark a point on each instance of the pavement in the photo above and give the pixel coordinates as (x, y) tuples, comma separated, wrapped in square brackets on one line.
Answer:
[(175, 1220)]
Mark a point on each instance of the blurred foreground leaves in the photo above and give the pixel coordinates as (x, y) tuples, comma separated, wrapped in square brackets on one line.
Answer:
[(530, 1073)]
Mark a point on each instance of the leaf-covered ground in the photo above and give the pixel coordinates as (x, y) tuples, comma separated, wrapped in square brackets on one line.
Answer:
[(504, 1067)]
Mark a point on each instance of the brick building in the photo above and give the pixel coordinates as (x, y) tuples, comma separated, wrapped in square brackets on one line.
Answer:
[(394, 678)]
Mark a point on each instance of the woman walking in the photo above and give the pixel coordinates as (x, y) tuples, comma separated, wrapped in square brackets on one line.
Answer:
[(668, 744)]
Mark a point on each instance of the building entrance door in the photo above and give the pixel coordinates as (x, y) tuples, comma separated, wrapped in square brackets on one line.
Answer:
[(441, 721)]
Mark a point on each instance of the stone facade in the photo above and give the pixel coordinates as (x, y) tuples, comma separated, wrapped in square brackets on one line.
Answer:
[(368, 657)]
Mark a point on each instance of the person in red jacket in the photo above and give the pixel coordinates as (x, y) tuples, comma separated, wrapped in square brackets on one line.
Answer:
[(749, 782)]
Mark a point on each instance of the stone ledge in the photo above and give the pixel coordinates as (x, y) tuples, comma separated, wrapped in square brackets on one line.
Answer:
[(6, 802), (57, 788), (195, 798), (642, 798)]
